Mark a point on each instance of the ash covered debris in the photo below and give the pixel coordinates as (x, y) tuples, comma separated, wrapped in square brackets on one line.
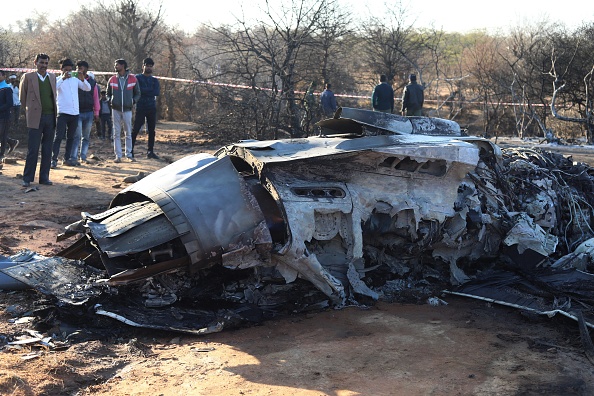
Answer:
[(378, 206)]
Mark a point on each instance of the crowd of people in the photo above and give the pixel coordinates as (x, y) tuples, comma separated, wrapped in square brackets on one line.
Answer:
[(64, 106), (382, 99)]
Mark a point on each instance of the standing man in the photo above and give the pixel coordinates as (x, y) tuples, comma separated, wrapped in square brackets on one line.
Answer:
[(122, 92), (38, 94), (309, 103), (68, 84), (413, 98), (16, 103), (88, 103), (105, 116), (382, 98), (146, 108), (328, 102), (5, 109)]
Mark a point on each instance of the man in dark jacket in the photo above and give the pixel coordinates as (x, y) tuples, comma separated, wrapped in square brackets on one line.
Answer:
[(5, 110), (146, 108), (382, 98), (413, 98), (328, 102), (88, 103)]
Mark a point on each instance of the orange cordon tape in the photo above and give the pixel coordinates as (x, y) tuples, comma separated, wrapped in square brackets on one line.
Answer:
[(239, 86)]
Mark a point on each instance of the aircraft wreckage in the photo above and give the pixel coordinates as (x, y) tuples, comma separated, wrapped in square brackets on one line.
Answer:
[(378, 206)]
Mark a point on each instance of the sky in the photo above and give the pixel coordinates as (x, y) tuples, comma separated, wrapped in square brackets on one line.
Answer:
[(453, 15)]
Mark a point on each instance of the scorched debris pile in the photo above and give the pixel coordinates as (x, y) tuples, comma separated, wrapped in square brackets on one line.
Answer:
[(378, 206)]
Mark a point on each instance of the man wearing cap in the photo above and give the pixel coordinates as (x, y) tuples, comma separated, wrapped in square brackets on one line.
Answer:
[(68, 85), (146, 108), (413, 98), (382, 98), (16, 103)]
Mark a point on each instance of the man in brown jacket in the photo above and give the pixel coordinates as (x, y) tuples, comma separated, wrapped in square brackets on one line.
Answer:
[(38, 95)]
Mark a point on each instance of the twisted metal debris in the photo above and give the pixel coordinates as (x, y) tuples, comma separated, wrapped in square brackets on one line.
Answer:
[(377, 206)]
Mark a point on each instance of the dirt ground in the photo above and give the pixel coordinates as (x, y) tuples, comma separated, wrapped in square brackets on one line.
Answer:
[(467, 347)]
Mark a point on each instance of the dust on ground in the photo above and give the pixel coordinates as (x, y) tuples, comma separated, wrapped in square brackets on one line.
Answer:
[(465, 347)]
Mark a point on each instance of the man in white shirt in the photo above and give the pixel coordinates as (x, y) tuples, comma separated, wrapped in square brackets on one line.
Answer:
[(16, 103), (67, 86)]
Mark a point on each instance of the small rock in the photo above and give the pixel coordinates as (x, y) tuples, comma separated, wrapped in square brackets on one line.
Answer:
[(135, 178)]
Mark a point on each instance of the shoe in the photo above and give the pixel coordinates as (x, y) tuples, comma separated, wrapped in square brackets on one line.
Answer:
[(54, 164), (152, 155), (117, 160), (130, 159), (25, 184), (71, 163), (46, 183), (12, 146)]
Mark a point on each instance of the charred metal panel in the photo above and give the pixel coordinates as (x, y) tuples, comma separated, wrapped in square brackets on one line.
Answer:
[(144, 236), (124, 219), (71, 281), (351, 181), (208, 203), (6, 281), (392, 123)]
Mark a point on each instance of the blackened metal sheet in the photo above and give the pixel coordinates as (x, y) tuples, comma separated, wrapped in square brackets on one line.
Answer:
[(395, 123), (68, 280), (110, 212), (312, 149), (125, 219), (8, 282), (546, 291), (134, 313), (143, 236), (391, 122)]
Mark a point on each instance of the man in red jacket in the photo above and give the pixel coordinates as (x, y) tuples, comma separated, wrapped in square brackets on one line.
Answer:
[(122, 92)]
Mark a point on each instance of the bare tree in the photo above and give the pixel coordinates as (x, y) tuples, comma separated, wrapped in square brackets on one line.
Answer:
[(388, 43), (527, 54), (332, 35), (584, 108), (491, 80), (102, 33), (268, 51)]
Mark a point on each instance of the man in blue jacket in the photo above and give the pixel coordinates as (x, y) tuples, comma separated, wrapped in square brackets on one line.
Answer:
[(146, 108), (5, 110), (382, 98), (328, 102)]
